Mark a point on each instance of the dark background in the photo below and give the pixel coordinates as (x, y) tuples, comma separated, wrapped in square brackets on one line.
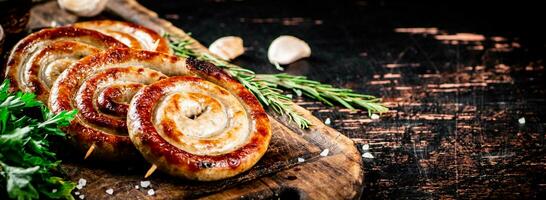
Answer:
[(453, 129), (347, 27)]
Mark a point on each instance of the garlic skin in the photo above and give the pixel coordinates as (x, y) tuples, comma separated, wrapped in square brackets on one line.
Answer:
[(228, 47), (83, 8), (286, 49)]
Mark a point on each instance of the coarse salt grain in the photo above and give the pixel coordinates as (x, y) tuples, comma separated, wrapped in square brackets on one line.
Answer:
[(301, 160), (82, 182), (82, 196), (365, 147), (325, 152), (367, 155), (110, 191), (298, 92), (144, 184), (375, 116), (521, 120), (151, 192), (77, 193), (136, 187), (327, 121), (54, 190)]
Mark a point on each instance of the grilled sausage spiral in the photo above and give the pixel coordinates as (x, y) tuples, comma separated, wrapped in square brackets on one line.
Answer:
[(133, 35), (37, 60), (199, 129)]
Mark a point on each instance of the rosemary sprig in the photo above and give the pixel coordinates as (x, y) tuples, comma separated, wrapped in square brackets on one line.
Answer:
[(266, 86), (325, 92)]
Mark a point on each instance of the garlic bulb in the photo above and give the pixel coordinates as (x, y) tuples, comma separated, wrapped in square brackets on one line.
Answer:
[(287, 49), (228, 47), (84, 8)]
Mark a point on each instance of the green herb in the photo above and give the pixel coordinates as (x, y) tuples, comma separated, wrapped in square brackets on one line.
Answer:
[(324, 92), (266, 86), (27, 164)]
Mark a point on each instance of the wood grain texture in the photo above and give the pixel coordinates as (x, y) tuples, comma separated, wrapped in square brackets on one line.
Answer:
[(278, 174)]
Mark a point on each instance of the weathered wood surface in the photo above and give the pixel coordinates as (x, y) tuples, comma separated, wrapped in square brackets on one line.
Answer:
[(336, 176), (453, 131)]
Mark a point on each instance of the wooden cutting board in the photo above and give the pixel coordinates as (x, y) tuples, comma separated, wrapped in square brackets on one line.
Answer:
[(279, 174)]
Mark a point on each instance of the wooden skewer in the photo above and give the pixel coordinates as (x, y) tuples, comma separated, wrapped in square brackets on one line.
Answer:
[(89, 151), (150, 171)]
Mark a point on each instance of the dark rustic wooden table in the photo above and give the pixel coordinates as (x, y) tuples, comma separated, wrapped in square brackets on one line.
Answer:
[(456, 99), (464, 82)]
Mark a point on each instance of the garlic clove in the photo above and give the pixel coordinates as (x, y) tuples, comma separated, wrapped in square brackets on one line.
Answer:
[(287, 49), (228, 47), (84, 8)]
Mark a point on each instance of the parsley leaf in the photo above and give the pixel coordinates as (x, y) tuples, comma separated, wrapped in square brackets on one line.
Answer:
[(28, 167)]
